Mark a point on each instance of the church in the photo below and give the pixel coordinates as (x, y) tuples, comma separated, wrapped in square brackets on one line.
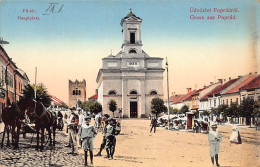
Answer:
[(132, 78)]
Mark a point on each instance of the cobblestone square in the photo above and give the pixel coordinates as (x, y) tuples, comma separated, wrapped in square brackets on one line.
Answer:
[(137, 147)]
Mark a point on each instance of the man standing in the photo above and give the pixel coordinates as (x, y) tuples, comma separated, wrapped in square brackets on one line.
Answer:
[(97, 116), (103, 144), (153, 124), (214, 139), (81, 121), (73, 132)]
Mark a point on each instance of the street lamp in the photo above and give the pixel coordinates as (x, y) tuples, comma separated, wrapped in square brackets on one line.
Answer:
[(168, 94)]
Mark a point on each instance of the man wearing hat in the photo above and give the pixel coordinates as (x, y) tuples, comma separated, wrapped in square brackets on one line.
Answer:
[(214, 139), (86, 134), (73, 128)]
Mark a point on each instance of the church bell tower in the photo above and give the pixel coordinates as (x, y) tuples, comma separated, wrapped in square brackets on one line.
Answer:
[(132, 42)]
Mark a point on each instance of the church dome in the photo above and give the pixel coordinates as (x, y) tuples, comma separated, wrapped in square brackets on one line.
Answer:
[(130, 14)]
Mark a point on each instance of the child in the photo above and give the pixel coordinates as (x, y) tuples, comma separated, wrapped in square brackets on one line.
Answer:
[(87, 133), (110, 138)]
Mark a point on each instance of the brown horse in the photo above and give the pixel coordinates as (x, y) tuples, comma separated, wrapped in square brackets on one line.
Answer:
[(12, 118), (43, 119)]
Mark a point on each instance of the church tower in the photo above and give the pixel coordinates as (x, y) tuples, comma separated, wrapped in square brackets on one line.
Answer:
[(132, 42), (132, 78)]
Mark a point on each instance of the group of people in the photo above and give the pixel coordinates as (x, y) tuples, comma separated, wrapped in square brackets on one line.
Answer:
[(82, 133), (214, 139)]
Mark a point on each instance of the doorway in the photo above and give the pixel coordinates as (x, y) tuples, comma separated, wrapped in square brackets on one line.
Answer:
[(133, 109)]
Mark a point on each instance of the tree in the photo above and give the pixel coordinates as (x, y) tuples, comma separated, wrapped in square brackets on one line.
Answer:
[(256, 111), (112, 105), (234, 110), (41, 94), (157, 106), (222, 109), (184, 109), (247, 108), (86, 105), (174, 110), (95, 107), (205, 112)]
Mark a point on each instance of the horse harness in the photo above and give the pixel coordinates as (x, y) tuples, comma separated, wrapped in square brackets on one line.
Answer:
[(48, 115)]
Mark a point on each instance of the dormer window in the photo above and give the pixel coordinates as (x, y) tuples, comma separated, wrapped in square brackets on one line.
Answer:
[(132, 38), (132, 51)]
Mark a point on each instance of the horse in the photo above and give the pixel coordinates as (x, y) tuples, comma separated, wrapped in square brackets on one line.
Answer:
[(43, 119), (12, 117), (204, 126)]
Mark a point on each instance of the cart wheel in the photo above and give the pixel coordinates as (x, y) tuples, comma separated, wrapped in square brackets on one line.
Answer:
[(46, 138)]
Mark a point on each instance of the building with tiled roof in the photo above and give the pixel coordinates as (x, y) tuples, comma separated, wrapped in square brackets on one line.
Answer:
[(251, 90), (231, 94), (196, 97), (175, 97), (56, 101), (179, 102), (214, 97), (94, 97)]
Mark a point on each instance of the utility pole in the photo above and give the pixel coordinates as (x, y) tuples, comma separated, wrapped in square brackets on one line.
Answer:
[(35, 89), (167, 68)]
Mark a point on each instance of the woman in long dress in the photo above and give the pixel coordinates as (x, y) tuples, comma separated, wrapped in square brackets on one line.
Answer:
[(235, 136), (214, 139)]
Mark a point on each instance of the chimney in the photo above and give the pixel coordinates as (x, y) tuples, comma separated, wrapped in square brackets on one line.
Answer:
[(255, 72), (239, 76), (188, 90), (211, 83), (205, 86), (229, 78), (224, 80), (250, 73), (96, 91), (220, 81)]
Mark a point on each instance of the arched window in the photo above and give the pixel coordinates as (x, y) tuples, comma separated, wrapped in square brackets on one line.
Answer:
[(133, 92), (153, 92), (73, 92), (132, 51), (79, 92), (112, 92), (76, 92)]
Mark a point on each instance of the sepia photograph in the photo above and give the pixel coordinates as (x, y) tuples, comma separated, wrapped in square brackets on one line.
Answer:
[(128, 83)]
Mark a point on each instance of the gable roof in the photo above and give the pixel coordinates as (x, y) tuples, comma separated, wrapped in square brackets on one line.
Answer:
[(224, 86), (255, 83), (184, 97), (57, 101), (95, 96), (206, 96), (241, 84), (175, 97)]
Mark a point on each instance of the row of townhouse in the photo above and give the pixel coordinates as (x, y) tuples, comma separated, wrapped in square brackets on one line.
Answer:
[(12, 81), (222, 92)]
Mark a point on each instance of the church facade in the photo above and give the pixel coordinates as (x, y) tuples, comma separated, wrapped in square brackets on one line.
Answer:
[(131, 78)]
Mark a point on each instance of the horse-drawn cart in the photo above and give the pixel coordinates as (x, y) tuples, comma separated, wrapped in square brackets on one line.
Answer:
[(30, 128)]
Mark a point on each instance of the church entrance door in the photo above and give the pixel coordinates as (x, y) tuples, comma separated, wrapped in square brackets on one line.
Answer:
[(133, 109)]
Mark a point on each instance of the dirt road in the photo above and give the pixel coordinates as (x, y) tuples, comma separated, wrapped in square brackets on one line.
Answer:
[(135, 147)]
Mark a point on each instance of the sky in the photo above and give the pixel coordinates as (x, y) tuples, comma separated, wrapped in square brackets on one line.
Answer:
[(70, 40)]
